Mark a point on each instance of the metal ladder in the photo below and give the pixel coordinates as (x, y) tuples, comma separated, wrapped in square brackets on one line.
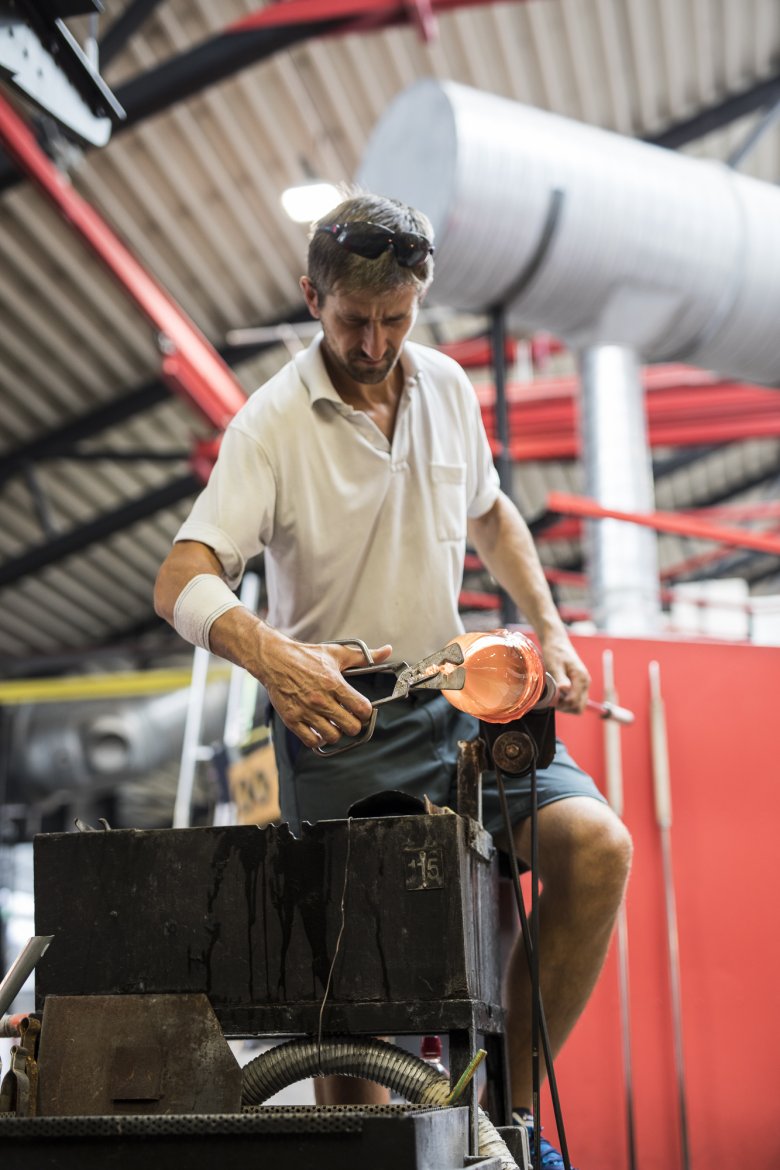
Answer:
[(242, 696)]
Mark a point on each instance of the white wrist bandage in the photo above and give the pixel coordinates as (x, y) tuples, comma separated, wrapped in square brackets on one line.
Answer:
[(200, 603)]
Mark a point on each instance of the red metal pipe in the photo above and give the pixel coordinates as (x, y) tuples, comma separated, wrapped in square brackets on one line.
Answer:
[(752, 511), (562, 530), (565, 577), (691, 564), (476, 352), (475, 599), (684, 407), (380, 12), (191, 365), (490, 602), (664, 522)]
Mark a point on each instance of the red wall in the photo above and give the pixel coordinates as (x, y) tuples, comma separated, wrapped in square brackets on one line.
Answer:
[(723, 724)]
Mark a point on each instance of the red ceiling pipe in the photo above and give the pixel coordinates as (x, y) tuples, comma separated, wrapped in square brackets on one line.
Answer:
[(559, 530), (692, 564), (749, 511), (191, 365), (569, 529), (702, 560), (684, 408), (473, 599), (476, 352), (490, 603), (574, 613), (472, 564), (664, 522), (565, 577), (378, 12)]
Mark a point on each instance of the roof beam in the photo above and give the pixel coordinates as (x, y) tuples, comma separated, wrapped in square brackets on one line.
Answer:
[(61, 441), (755, 134), (756, 97), (102, 527), (124, 26)]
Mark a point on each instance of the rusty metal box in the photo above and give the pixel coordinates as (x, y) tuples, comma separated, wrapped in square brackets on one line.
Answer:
[(399, 912)]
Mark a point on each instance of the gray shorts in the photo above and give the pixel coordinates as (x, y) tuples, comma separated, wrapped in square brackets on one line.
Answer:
[(414, 750)]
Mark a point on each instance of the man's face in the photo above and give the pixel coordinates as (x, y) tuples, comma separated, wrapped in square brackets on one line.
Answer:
[(364, 332)]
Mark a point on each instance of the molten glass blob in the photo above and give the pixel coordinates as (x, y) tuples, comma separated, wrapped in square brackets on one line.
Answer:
[(504, 675)]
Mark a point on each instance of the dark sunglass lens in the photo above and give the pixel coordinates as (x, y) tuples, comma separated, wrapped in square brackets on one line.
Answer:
[(410, 249), (369, 242)]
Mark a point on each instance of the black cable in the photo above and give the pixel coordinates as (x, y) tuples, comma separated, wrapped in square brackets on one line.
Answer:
[(536, 991), (531, 943)]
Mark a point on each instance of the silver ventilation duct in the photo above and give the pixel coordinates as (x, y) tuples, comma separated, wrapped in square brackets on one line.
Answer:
[(622, 558), (74, 752), (73, 745), (621, 249), (596, 238)]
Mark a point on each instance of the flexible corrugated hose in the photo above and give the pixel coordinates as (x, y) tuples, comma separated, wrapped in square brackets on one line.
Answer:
[(375, 1060)]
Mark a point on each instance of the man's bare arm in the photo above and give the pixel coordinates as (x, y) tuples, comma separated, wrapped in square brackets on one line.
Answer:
[(305, 682), (505, 545)]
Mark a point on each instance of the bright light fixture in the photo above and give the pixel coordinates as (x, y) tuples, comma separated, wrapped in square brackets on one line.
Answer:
[(308, 201)]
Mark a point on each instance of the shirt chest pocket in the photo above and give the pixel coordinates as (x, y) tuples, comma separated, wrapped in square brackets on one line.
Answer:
[(448, 481)]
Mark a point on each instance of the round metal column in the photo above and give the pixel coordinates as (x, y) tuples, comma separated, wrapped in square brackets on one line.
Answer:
[(622, 557)]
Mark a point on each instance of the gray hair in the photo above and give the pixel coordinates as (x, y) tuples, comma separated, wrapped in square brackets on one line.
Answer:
[(331, 266)]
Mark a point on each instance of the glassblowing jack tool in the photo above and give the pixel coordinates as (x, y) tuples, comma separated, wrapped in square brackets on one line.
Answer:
[(441, 671)]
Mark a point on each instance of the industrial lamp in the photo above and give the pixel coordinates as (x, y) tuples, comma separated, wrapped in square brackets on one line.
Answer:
[(308, 201)]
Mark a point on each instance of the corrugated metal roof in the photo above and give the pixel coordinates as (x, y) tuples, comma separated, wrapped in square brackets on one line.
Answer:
[(194, 192)]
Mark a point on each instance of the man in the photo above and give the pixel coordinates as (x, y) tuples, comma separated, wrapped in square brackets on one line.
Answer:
[(361, 468)]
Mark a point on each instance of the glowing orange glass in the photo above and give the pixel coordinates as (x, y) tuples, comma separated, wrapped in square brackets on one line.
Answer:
[(504, 675)]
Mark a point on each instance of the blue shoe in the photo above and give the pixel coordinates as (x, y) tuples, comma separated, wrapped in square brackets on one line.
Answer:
[(552, 1159)]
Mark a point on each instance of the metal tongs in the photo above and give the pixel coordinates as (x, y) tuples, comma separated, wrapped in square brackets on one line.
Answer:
[(423, 675)]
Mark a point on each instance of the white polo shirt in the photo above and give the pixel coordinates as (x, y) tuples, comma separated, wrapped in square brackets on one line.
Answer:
[(362, 537)]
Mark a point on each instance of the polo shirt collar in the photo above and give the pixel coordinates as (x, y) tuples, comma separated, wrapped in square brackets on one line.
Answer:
[(312, 371)]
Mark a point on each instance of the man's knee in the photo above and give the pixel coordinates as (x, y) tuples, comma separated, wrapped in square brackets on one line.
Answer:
[(613, 851), (588, 846)]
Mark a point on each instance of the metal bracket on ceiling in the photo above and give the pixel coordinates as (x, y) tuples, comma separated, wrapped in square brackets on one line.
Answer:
[(47, 66)]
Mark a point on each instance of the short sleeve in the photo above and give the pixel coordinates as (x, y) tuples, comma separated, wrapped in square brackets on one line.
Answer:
[(234, 514)]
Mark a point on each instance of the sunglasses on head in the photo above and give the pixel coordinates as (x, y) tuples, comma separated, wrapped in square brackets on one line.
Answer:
[(370, 240)]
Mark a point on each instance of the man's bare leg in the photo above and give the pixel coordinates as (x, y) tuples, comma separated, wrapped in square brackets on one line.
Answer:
[(584, 862)]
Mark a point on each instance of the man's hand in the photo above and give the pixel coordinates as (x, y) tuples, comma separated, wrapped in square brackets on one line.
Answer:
[(571, 675), (306, 685), (305, 682)]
